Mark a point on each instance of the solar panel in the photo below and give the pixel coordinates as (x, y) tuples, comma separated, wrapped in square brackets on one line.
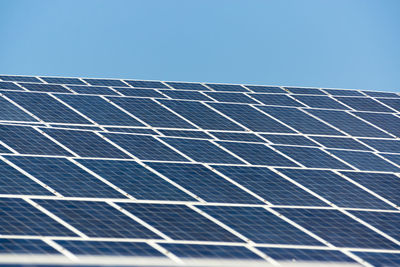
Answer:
[(152, 173)]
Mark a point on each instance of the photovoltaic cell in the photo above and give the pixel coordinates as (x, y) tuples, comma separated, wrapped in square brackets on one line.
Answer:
[(190, 134), (265, 89), (105, 82), (277, 100), (335, 189), (151, 112), (258, 154), (340, 142), (392, 102), (20, 79), (20, 218), (347, 123), (383, 145), (25, 246), (179, 222), (320, 102), (227, 87), (202, 151), (147, 84), (204, 183), (306, 91), (343, 92), (259, 122), (99, 110), (201, 115), (96, 219), (270, 186), (130, 130), (10, 86), (312, 157), (188, 86), (135, 180), (387, 122), (92, 90), (365, 161), (259, 225), (107, 248), (380, 94), (27, 140), (247, 137), (379, 259), (45, 87), (139, 92), (210, 251), (306, 255), (10, 112), (231, 97), (61, 80), (191, 95), (363, 104), (347, 231), (85, 143), (65, 177), (289, 139), (145, 147), (300, 121), (47, 108), (386, 185)]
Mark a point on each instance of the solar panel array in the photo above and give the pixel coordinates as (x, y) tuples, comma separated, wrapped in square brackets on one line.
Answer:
[(194, 170)]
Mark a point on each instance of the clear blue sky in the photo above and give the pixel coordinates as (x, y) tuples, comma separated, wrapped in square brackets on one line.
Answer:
[(322, 43)]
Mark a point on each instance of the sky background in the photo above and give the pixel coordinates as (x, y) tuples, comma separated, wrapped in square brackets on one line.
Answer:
[(320, 43)]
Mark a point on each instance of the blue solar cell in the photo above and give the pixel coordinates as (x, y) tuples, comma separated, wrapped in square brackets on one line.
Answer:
[(348, 123), (300, 121), (10, 112), (258, 154), (227, 87), (386, 185), (312, 157), (188, 86), (85, 143), (20, 218), (270, 186), (365, 161), (3, 149), (265, 89), (391, 102), (147, 84), (210, 251), (136, 180), (179, 222), (320, 102), (99, 110), (108, 248), (363, 104), (46, 108), (190, 134), (61, 80), (25, 246), (139, 92), (277, 100), (259, 122), (337, 228), (247, 137), (20, 79), (381, 94), (96, 219), (201, 115), (387, 122), (92, 90), (289, 139), (69, 126), (27, 140), (387, 222), (191, 95), (145, 147), (65, 177), (383, 145), (204, 183), (45, 87), (16, 183), (202, 150), (380, 259), (340, 142), (306, 255), (335, 189), (231, 97), (259, 225), (130, 130), (343, 92), (10, 86), (305, 91), (106, 82), (151, 112)]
